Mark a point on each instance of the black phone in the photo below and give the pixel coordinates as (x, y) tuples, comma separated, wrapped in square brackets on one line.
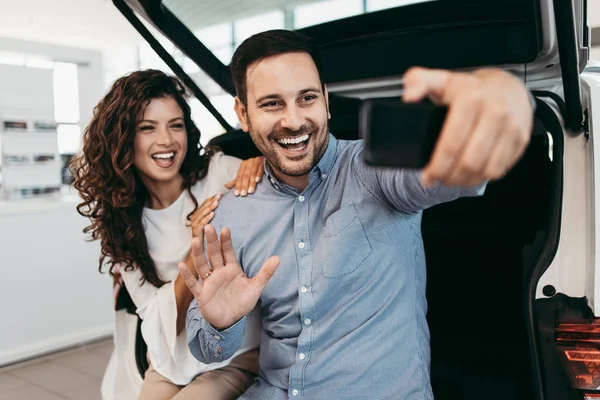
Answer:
[(398, 134)]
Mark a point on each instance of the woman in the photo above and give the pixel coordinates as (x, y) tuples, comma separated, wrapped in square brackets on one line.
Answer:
[(141, 177)]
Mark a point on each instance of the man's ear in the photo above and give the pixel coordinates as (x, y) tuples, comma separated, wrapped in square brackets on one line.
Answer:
[(240, 110), (326, 94)]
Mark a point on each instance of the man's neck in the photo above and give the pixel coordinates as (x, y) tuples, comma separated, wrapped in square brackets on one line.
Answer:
[(297, 182)]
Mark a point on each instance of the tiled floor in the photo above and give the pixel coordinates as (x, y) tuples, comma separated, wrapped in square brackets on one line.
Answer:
[(73, 374)]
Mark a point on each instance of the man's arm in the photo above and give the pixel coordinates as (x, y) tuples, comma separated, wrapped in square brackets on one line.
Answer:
[(183, 297), (403, 190), (486, 131), (206, 343)]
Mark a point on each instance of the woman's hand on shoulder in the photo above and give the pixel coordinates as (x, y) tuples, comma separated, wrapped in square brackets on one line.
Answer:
[(250, 173), (204, 213)]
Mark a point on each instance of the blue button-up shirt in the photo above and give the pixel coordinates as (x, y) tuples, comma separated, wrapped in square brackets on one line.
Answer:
[(343, 317)]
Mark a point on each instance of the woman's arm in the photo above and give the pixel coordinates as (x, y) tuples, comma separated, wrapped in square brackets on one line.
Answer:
[(183, 296)]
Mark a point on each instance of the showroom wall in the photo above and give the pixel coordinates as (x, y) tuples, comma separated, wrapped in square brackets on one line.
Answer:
[(48, 269)]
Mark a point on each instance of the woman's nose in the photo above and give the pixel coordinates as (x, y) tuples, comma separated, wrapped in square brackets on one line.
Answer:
[(164, 137)]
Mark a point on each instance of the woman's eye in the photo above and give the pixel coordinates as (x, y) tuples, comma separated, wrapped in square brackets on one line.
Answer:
[(177, 126), (146, 128)]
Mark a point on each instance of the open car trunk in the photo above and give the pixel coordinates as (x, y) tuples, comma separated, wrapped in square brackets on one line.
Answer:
[(484, 255), (480, 254)]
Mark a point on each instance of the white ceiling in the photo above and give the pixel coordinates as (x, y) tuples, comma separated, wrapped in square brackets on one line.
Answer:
[(90, 24), (97, 24)]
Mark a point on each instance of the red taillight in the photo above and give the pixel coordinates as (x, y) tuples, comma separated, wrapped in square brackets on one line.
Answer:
[(579, 345), (583, 354)]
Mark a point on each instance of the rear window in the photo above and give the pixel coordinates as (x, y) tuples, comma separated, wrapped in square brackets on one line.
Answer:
[(225, 24)]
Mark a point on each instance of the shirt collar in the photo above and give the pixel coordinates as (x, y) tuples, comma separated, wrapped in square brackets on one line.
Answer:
[(326, 162), (319, 171)]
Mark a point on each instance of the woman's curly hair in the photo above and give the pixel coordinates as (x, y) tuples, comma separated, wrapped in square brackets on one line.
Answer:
[(105, 177)]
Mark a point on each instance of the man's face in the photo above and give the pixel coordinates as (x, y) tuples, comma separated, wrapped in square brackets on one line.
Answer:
[(286, 113)]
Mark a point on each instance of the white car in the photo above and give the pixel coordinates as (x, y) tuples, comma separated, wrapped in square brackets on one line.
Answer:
[(513, 279)]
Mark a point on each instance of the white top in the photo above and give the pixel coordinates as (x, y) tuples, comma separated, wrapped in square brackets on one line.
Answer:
[(169, 241)]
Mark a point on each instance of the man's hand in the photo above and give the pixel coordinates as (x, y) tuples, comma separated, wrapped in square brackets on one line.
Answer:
[(487, 128), (224, 293)]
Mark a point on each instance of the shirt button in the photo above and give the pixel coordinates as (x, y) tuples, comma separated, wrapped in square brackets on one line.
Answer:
[(295, 392), (303, 289), (324, 176), (302, 356), (217, 337), (301, 198), (307, 321), (301, 245)]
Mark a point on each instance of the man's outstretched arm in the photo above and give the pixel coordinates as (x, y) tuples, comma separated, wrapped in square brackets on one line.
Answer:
[(487, 129)]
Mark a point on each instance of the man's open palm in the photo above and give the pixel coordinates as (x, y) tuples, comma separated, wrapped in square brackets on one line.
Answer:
[(223, 292)]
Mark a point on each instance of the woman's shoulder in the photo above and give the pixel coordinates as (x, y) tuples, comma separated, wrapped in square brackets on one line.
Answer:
[(221, 169), (220, 162)]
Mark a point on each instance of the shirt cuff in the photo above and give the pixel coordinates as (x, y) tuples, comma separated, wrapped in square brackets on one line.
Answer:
[(226, 342)]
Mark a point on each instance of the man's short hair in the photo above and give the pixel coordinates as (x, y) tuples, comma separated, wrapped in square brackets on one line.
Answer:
[(267, 44)]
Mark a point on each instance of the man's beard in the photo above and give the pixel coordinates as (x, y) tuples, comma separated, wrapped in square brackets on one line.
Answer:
[(305, 163)]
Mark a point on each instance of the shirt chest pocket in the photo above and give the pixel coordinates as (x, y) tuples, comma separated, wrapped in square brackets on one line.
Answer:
[(343, 245)]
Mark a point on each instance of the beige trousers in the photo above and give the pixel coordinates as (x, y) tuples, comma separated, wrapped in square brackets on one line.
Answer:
[(227, 383)]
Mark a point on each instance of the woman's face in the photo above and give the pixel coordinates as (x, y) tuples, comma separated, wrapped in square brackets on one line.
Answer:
[(160, 141)]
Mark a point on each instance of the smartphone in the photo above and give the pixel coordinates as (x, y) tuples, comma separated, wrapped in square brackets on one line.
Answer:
[(398, 134)]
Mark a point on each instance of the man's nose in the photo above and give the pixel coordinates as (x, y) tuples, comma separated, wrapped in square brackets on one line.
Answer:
[(292, 119)]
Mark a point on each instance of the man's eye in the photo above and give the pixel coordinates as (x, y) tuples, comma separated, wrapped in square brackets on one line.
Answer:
[(270, 104), (307, 99)]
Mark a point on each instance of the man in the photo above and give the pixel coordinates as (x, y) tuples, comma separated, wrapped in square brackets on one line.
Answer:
[(343, 304)]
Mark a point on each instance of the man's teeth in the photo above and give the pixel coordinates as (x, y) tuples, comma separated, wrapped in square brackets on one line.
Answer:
[(164, 155), (295, 140)]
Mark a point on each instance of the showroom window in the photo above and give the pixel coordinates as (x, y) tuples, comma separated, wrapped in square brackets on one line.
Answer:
[(65, 86), (244, 28), (66, 93), (376, 5), (219, 39), (66, 107), (324, 11)]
